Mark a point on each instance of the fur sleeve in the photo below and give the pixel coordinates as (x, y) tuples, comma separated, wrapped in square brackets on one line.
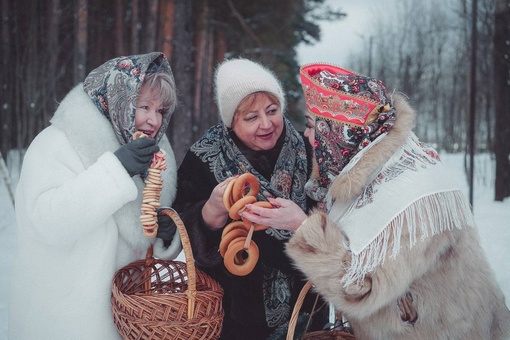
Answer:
[(320, 250)]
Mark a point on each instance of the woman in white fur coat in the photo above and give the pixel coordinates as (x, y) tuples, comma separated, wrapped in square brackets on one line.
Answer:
[(395, 248), (79, 196)]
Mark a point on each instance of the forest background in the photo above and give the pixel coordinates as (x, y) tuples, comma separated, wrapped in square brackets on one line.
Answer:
[(450, 57)]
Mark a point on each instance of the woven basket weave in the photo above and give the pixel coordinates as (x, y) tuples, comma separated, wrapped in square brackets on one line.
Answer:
[(156, 299), (332, 334)]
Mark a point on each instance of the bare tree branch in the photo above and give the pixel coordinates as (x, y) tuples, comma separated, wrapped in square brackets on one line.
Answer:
[(241, 20)]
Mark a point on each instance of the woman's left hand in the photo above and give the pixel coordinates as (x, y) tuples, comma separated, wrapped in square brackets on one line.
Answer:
[(285, 214), (214, 212)]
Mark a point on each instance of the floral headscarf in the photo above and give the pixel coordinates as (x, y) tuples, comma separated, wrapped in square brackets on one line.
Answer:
[(114, 88), (351, 111)]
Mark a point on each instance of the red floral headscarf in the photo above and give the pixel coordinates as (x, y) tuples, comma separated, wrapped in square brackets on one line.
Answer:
[(351, 111)]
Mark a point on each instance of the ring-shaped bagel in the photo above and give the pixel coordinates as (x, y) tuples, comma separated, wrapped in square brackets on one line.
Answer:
[(150, 232), (233, 225), (234, 209), (243, 181), (227, 194), (229, 237), (139, 134), (234, 260)]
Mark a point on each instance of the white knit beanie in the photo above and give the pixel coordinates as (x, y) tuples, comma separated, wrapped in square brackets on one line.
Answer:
[(237, 78)]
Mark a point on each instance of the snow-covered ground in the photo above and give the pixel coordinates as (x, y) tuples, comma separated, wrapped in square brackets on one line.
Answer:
[(493, 223)]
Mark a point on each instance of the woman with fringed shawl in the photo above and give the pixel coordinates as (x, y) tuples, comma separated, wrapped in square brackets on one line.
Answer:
[(394, 247)]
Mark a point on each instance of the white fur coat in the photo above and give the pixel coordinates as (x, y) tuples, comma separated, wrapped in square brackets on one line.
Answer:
[(440, 287), (77, 223)]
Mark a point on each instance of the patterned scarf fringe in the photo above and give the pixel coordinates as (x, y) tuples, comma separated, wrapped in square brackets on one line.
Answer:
[(428, 216)]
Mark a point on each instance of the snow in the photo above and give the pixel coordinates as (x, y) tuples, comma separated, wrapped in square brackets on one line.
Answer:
[(492, 218)]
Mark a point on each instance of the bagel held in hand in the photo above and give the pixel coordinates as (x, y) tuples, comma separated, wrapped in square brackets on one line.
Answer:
[(242, 256), (152, 191), (243, 182)]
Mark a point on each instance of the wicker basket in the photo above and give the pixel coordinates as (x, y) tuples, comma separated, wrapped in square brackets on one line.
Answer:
[(156, 299), (333, 334)]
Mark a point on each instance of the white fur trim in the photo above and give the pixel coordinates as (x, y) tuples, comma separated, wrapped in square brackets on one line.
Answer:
[(91, 134)]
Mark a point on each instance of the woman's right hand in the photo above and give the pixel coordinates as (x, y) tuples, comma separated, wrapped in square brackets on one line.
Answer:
[(214, 212), (137, 155), (285, 214)]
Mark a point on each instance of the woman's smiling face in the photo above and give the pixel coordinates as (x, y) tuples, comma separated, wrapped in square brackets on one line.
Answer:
[(149, 112), (258, 121)]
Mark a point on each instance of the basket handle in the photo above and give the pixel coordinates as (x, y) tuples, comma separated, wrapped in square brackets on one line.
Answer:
[(191, 292), (295, 311)]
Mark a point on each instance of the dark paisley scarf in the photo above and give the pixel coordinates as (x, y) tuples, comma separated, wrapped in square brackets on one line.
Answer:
[(225, 159), (218, 149), (114, 88)]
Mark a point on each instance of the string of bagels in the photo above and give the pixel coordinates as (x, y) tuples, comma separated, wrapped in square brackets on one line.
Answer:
[(152, 191), (240, 253)]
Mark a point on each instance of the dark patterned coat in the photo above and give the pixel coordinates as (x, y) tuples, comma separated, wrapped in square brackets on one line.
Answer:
[(245, 316)]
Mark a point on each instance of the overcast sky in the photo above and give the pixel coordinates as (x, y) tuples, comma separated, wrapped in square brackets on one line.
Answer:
[(351, 34)]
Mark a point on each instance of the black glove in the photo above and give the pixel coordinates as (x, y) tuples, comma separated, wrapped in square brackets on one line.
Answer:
[(137, 155), (166, 229)]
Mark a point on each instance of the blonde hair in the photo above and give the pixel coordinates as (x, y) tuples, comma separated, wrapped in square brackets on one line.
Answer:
[(162, 86)]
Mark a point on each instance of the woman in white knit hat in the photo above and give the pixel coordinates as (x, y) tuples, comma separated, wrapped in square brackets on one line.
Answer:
[(254, 136)]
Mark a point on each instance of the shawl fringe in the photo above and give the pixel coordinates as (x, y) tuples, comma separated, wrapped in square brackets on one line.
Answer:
[(426, 217)]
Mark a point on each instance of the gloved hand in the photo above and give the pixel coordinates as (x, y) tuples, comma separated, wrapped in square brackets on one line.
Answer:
[(137, 155), (166, 229)]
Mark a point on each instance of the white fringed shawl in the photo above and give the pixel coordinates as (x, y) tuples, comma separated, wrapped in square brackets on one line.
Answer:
[(411, 190)]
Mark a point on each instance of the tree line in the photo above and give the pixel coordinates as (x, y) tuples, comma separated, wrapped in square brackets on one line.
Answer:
[(420, 48), (50, 46), (425, 49)]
